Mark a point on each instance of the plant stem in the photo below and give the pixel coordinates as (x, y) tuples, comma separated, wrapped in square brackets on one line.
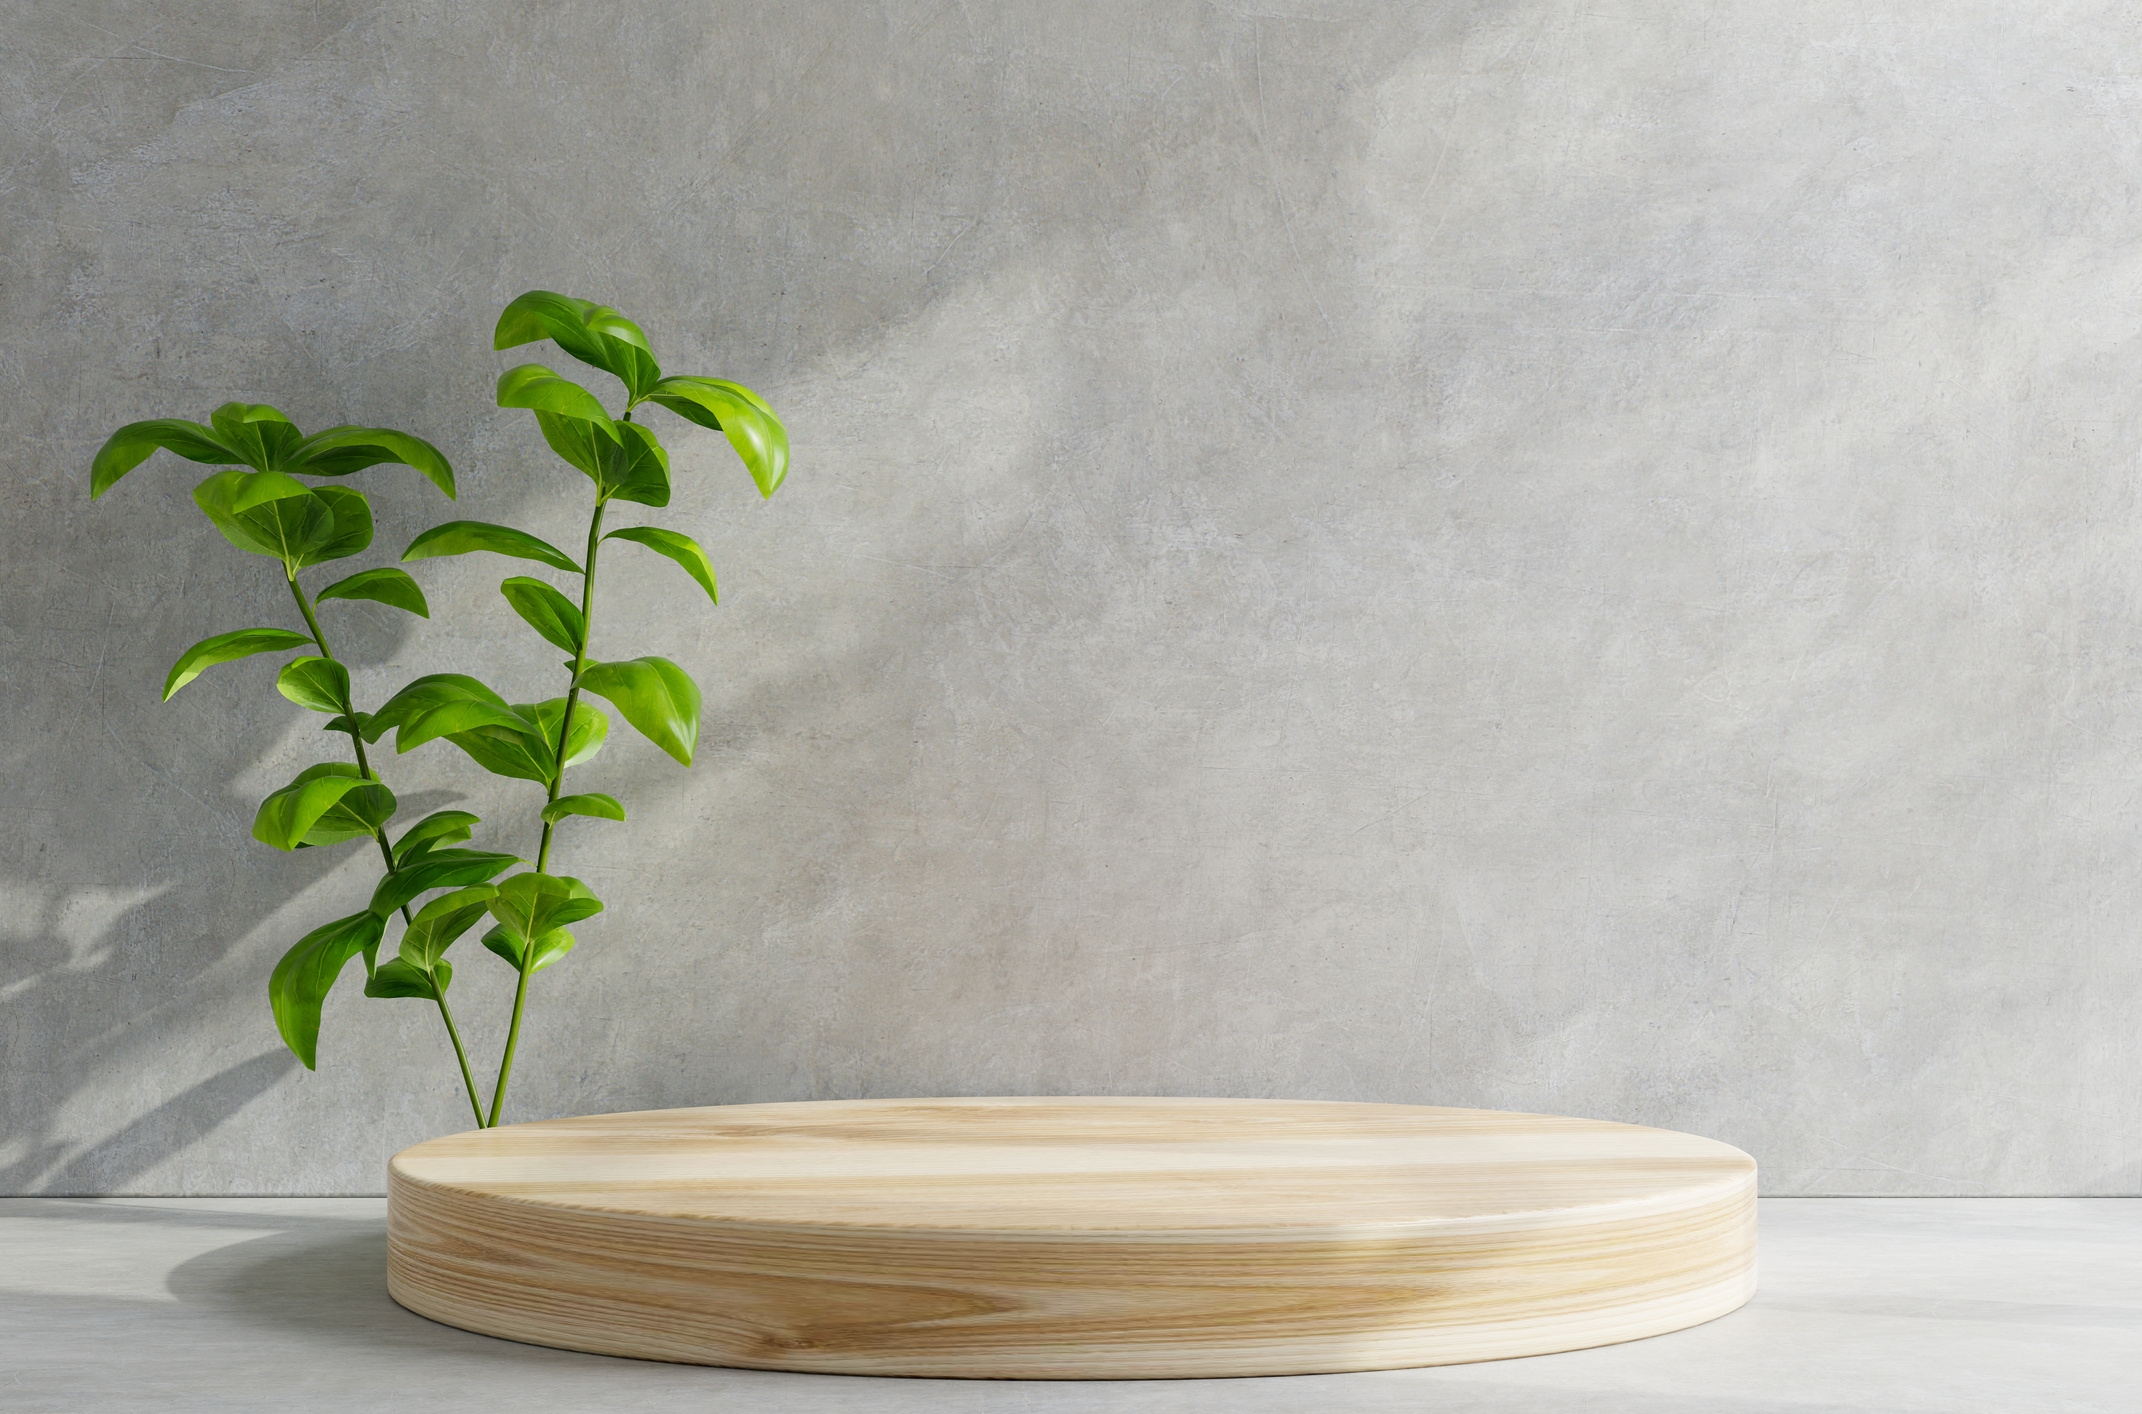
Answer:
[(386, 851), (349, 713), (557, 778), (572, 693), (468, 1077)]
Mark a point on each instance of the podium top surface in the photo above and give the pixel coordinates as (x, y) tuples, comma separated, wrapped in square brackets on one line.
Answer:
[(1072, 1166)]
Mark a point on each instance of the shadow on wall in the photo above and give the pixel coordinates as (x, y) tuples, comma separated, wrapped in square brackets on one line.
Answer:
[(966, 201), (104, 985), (148, 1141), (79, 956), (56, 971)]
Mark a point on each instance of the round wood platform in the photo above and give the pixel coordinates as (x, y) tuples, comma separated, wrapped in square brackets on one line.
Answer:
[(1072, 1238)]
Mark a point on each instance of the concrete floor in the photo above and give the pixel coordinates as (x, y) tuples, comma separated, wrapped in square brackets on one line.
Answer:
[(2017, 1305)]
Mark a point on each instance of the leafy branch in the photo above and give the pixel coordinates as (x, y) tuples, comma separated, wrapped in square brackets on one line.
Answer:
[(262, 508)]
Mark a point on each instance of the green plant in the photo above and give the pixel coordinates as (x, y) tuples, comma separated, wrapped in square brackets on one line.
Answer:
[(438, 890)]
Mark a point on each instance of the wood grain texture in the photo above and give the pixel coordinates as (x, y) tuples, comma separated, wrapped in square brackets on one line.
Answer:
[(1072, 1238)]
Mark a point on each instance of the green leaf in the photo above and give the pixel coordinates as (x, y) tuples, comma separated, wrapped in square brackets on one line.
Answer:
[(271, 513), (303, 525), (422, 694), (657, 697), (742, 415), (536, 388), (351, 526), (460, 537), (341, 450), (259, 488), (547, 611), (319, 683), (591, 726), (440, 922), (133, 444), (579, 443), (388, 586), (453, 718), (396, 978), (326, 804), (533, 904), (595, 334), (265, 513), (681, 548), (512, 946), (519, 756), (637, 469), (229, 647), (358, 814), (602, 807), (434, 831), (533, 755), (632, 468), (438, 869), (631, 356), (297, 528), (214, 497), (261, 435), (302, 980), (352, 724)]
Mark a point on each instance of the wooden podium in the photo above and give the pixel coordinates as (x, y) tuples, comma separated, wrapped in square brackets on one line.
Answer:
[(1071, 1238)]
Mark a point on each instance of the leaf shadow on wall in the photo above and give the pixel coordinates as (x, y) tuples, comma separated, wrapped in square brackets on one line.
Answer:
[(47, 978), (71, 975), (164, 1131)]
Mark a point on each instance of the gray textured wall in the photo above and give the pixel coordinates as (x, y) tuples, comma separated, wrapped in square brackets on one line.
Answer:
[(1550, 556)]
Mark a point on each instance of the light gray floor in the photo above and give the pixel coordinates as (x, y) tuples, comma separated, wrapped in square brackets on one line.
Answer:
[(2017, 1305)]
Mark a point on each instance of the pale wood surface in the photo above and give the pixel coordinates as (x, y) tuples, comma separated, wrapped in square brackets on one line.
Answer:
[(1072, 1238)]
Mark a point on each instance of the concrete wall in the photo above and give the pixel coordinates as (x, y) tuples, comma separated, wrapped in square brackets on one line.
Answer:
[(1548, 556)]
